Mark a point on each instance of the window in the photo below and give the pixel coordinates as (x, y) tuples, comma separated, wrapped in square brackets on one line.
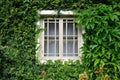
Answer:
[(61, 39)]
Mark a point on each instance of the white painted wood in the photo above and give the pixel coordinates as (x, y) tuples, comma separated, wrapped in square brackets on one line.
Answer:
[(40, 51), (80, 41), (60, 37), (41, 41), (54, 12)]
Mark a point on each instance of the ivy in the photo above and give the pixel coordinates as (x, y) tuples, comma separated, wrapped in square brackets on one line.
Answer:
[(18, 39), (18, 36), (101, 41)]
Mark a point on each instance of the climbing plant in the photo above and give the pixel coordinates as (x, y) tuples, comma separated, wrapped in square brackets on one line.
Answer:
[(17, 36), (101, 46), (18, 30), (17, 39)]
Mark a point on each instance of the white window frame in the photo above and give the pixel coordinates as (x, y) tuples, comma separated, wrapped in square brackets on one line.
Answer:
[(40, 51)]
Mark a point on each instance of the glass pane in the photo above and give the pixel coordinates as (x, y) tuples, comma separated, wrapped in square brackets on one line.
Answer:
[(70, 20), (51, 28), (57, 48), (64, 46), (51, 20), (45, 46), (76, 30), (45, 29), (51, 48), (64, 20), (70, 29), (69, 46), (57, 29), (76, 47), (64, 28)]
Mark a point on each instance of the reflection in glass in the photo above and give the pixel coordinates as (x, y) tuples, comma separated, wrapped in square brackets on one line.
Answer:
[(76, 30), (76, 47), (57, 48), (64, 29), (70, 29), (45, 46), (64, 46), (45, 29), (51, 48), (70, 47), (51, 28), (57, 29)]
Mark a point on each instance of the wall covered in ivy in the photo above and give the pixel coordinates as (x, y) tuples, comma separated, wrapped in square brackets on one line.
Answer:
[(17, 41), (17, 36), (18, 45), (101, 46)]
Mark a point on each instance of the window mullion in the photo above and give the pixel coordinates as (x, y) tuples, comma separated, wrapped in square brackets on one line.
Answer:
[(73, 38), (60, 37), (47, 37), (55, 40), (66, 36)]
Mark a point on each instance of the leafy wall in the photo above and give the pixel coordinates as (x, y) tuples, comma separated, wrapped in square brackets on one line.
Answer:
[(101, 46), (17, 41), (17, 38)]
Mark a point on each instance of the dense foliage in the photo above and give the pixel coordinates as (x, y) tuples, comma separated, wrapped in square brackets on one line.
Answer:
[(101, 39), (17, 41), (17, 37), (58, 71), (18, 45)]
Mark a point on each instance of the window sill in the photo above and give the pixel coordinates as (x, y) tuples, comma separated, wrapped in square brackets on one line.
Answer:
[(45, 59)]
